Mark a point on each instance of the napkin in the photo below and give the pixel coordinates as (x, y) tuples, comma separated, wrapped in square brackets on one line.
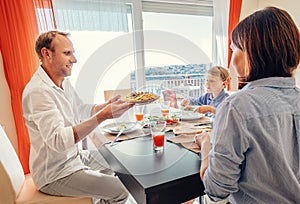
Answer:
[(186, 130), (188, 127), (187, 141)]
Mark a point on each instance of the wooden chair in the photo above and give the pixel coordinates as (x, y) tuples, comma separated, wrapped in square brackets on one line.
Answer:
[(19, 189), (110, 93)]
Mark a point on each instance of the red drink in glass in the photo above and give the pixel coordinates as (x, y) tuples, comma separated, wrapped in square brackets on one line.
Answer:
[(157, 129), (159, 140)]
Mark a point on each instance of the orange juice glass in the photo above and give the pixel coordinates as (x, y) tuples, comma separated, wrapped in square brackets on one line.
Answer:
[(165, 108), (139, 112), (139, 116), (165, 112)]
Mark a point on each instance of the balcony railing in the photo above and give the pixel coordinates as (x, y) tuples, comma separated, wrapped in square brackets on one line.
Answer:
[(186, 87)]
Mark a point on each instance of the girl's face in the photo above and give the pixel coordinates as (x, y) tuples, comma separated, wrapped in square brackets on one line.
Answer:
[(214, 84), (238, 61)]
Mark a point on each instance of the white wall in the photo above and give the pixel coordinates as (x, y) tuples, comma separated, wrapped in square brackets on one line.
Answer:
[(291, 6), (6, 115)]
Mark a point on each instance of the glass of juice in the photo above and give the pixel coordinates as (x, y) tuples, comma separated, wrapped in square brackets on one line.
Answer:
[(157, 129), (139, 112), (165, 108)]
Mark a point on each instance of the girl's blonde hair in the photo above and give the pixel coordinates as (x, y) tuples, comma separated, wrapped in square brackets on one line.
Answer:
[(221, 72)]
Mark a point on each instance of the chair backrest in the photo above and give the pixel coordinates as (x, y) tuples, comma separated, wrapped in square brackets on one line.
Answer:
[(11, 173), (110, 93)]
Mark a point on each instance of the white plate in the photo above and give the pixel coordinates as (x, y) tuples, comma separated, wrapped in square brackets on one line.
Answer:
[(191, 115), (114, 128)]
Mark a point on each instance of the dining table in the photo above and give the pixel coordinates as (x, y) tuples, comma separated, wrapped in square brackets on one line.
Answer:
[(168, 176)]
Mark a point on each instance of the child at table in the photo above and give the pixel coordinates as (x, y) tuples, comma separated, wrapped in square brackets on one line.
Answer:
[(217, 79)]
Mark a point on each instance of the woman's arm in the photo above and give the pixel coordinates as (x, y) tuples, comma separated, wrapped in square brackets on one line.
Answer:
[(203, 141)]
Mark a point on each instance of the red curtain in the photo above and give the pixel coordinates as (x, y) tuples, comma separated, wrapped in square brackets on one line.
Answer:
[(234, 18), (17, 38)]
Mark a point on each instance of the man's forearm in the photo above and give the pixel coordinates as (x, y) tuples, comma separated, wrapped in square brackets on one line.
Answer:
[(81, 130), (98, 107)]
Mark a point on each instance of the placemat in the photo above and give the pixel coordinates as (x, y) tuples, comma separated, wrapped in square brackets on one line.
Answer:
[(102, 137), (134, 134), (187, 141), (186, 131)]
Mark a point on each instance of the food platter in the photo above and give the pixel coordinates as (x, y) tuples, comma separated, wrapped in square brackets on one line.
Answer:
[(141, 97), (115, 127)]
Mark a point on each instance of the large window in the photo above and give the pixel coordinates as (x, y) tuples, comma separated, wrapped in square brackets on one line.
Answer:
[(175, 39), (182, 54)]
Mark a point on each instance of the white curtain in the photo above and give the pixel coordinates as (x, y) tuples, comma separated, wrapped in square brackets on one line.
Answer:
[(91, 15), (221, 17)]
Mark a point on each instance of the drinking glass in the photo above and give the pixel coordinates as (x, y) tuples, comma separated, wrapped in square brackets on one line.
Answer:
[(165, 108), (157, 129), (139, 112)]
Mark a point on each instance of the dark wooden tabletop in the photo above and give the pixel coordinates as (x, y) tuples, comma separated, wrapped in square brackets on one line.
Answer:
[(171, 176)]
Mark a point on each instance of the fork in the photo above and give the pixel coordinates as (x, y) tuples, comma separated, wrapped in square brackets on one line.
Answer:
[(118, 135)]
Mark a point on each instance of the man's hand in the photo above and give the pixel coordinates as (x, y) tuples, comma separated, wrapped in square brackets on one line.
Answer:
[(113, 110), (113, 99), (99, 107)]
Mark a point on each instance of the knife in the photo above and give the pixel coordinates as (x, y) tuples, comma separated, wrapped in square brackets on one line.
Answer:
[(202, 124)]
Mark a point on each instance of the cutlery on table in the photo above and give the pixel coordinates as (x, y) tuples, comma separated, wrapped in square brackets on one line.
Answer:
[(203, 124), (118, 135)]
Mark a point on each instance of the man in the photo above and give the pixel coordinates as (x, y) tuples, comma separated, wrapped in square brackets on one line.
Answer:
[(53, 112)]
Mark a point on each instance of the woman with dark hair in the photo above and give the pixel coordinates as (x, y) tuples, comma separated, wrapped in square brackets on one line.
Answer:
[(255, 153)]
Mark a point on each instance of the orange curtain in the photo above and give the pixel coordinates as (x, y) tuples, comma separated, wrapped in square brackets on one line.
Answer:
[(19, 29), (17, 38), (234, 18)]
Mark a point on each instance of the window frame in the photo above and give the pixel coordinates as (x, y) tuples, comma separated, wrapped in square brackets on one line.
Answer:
[(191, 7)]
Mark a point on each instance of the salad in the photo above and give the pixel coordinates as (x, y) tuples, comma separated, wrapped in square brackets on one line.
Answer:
[(121, 126), (172, 120), (155, 118)]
